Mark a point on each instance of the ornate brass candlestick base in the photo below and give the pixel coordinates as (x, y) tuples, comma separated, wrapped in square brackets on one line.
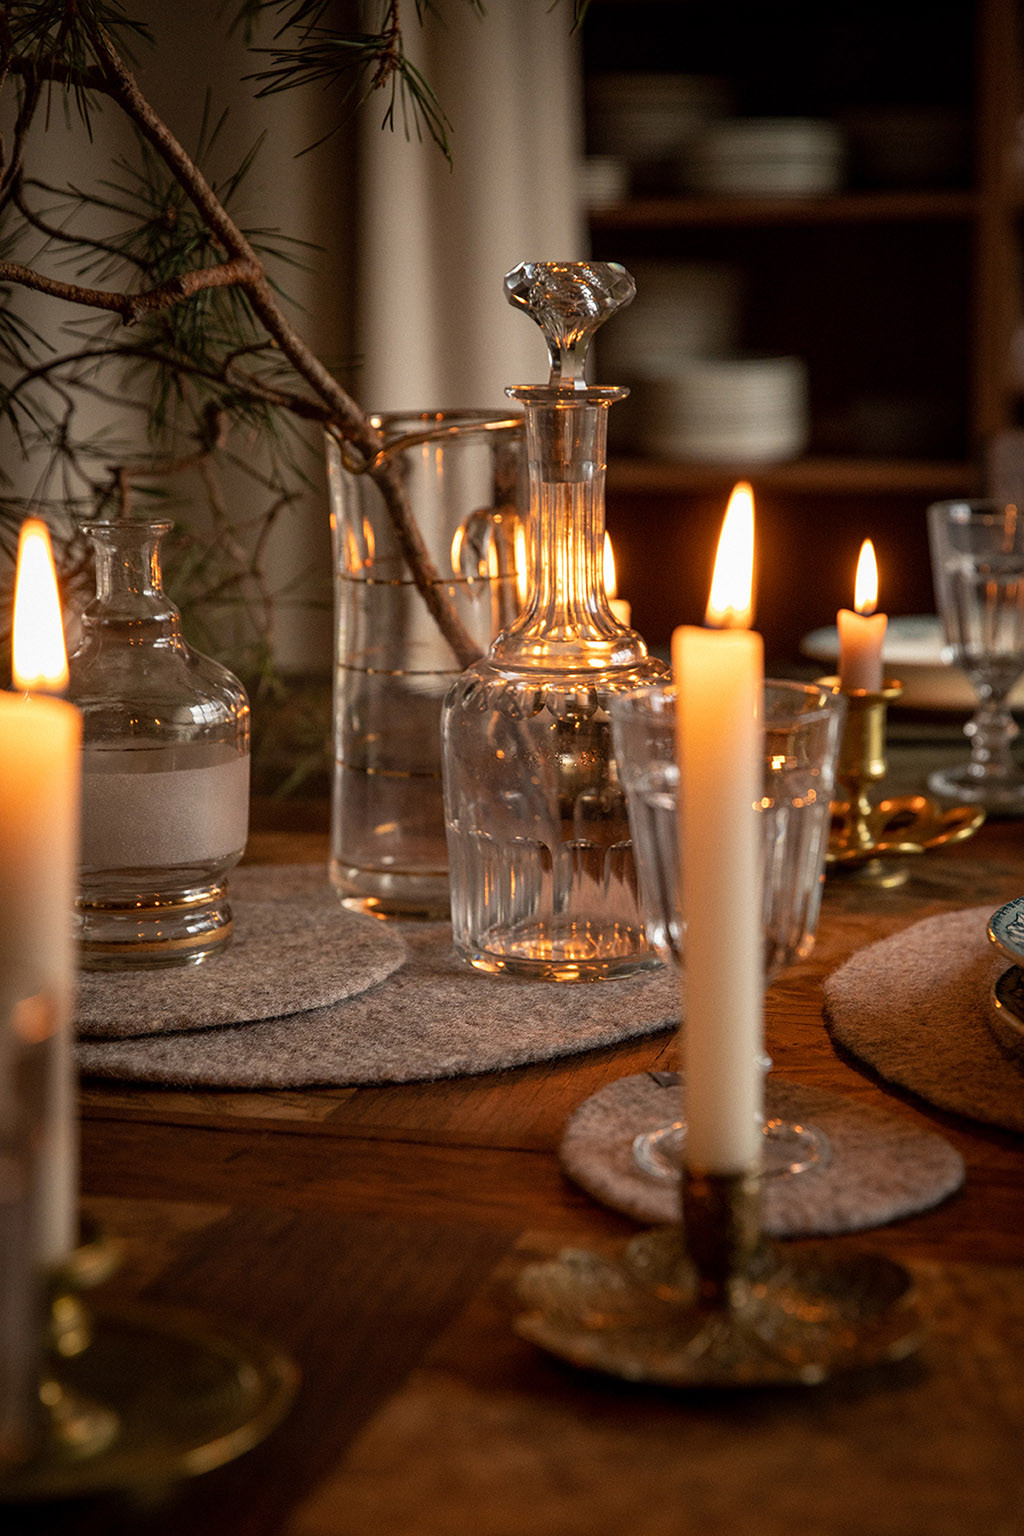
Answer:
[(140, 1398), (75, 1427), (867, 834), (718, 1308)]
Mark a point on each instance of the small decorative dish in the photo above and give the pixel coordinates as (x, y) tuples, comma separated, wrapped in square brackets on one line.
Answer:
[(1006, 1014), (635, 1315), (1006, 930), (894, 828)]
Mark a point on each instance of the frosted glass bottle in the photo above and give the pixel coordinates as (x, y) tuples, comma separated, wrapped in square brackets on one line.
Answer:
[(165, 760), (541, 868)]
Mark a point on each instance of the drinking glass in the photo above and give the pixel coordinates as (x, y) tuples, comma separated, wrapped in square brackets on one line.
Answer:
[(977, 550), (803, 729)]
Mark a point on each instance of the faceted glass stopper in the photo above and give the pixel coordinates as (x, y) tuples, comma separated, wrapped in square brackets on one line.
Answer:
[(569, 300)]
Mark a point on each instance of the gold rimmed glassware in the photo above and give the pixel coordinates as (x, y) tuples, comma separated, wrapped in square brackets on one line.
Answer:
[(165, 767), (465, 476)]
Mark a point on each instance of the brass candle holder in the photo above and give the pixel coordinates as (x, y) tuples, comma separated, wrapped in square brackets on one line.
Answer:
[(869, 832), (709, 1304), (139, 1398), (75, 1426)]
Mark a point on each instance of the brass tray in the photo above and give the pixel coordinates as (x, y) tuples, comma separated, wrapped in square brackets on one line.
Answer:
[(188, 1396), (905, 824), (812, 1313)]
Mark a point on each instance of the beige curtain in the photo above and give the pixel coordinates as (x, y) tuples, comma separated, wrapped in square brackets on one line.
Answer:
[(399, 288), (433, 328)]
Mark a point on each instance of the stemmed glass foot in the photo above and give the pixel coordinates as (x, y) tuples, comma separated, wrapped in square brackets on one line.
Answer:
[(991, 778), (789, 1149)]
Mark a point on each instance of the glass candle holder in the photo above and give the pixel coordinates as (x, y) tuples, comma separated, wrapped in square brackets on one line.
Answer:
[(802, 737), (165, 759)]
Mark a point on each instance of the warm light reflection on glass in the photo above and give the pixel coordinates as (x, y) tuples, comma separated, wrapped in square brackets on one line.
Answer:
[(458, 539), (865, 588), (610, 584), (730, 605), (39, 657), (522, 575)]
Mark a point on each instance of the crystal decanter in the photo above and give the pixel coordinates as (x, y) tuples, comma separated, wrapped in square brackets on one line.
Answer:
[(541, 866), (165, 768)]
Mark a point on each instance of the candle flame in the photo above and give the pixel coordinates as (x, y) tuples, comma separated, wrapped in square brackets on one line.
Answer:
[(865, 590), (40, 662), (610, 584), (730, 605)]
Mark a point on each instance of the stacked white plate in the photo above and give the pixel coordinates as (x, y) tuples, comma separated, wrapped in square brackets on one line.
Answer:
[(765, 157), (648, 119), (603, 180), (742, 409), (914, 652), (908, 146), (682, 309)]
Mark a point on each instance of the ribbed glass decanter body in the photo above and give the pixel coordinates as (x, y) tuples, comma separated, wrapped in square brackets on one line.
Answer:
[(540, 860), (165, 759)]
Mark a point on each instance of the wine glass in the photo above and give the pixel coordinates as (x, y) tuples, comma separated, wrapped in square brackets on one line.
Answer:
[(977, 550), (803, 727)]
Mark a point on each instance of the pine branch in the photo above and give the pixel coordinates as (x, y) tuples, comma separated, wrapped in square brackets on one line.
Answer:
[(349, 421), (192, 339), (132, 307)]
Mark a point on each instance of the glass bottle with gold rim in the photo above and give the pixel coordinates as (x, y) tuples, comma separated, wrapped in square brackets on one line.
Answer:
[(165, 767)]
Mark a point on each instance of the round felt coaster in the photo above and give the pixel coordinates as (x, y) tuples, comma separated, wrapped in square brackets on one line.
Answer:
[(879, 1170), (294, 947), (915, 1007), (433, 1017)]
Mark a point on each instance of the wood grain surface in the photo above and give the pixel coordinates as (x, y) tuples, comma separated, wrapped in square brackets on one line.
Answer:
[(376, 1234)]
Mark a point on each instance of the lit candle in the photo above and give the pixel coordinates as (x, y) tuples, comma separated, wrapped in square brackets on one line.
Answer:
[(40, 775), (861, 633), (719, 674), (619, 606)]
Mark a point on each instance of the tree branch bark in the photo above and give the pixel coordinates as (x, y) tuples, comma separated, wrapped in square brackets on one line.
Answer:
[(132, 307)]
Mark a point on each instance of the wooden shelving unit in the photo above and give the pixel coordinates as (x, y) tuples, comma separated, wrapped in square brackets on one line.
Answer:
[(667, 213), (654, 477), (916, 288)]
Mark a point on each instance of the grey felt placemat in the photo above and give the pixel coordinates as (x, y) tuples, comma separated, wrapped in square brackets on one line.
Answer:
[(880, 1168), (287, 954), (915, 1008), (432, 1017)]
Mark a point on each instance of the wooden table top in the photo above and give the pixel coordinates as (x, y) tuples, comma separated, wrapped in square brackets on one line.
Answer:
[(375, 1234)]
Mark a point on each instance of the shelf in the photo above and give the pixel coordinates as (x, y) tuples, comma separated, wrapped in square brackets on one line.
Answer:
[(662, 477), (841, 208)]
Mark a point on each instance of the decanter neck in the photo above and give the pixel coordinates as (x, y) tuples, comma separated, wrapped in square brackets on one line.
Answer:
[(129, 580), (566, 622)]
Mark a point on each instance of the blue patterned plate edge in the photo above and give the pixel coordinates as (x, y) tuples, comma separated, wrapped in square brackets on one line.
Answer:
[(1006, 1015), (1006, 930)]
